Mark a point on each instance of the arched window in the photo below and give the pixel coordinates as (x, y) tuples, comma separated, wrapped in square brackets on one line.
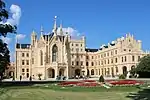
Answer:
[(92, 72), (41, 57), (54, 53)]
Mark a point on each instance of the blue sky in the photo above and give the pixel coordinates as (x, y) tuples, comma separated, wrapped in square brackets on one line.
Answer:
[(101, 21)]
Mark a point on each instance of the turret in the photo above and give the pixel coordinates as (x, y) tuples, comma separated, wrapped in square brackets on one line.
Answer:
[(61, 30), (33, 38)]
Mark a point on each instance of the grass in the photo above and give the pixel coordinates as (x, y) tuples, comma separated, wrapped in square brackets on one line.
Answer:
[(68, 93)]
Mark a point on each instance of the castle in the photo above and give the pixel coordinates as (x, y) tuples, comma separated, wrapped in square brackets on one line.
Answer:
[(58, 54)]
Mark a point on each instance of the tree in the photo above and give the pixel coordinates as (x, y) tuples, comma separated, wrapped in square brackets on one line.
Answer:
[(4, 29), (143, 68), (101, 78)]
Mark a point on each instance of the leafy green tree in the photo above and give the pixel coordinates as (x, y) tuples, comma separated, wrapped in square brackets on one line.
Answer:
[(143, 68), (101, 78), (4, 29)]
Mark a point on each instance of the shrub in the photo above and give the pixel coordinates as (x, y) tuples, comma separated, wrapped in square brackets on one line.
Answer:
[(122, 76), (101, 78), (39, 75)]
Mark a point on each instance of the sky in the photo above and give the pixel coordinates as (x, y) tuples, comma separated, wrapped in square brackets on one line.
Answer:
[(101, 21)]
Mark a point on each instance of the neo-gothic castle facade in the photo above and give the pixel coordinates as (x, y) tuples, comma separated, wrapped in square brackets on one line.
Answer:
[(58, 54)]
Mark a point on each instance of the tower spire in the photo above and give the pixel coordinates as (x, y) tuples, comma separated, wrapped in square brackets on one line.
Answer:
[(42, 30), (61, 31), (55, 24)]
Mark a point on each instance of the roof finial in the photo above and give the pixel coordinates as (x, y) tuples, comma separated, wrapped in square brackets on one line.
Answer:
[(42, 30)]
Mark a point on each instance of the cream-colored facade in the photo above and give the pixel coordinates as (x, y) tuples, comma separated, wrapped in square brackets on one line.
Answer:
[(58, 54)]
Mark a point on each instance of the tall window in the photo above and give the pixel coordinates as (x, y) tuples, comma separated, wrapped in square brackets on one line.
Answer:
[(125, 58), (41, 57), (138, 58), (54, 53), (46, 54), (132, 58)]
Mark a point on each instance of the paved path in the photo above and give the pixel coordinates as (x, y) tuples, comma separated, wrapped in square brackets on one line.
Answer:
[(142, 79)]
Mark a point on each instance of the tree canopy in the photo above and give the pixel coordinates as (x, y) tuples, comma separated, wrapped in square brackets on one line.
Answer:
[(143, 68), (4, 29)]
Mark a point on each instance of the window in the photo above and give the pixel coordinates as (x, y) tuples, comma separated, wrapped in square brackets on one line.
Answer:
[(22, 70), (72, 44), (87, 64), (77, 56), (92, 63), (22, 54), (122, 59), (129, 50), (108, 61), (72, 56), (81, 45), (22, 62), (124, 49), (115, 51), (32, 60), (132, 58), (111, 60), (27, 54), (81, 63), (41, 57), (77, 63), (27, 62), (111, 52), (72, 63), (72, 49), (81, 56), (92, 57), (76, 44), (125, 58), (102, 63), (54, 53), (108, 54), (92, 72), (116, 69), (27, 70), (87, 57), (138, 58), (81, 49), (77, 49), (116, 60)]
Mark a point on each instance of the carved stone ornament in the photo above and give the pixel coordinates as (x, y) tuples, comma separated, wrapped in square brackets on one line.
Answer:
[(41, 44)]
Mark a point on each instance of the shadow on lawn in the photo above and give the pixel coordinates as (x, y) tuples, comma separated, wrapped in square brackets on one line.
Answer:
[(143, 94)]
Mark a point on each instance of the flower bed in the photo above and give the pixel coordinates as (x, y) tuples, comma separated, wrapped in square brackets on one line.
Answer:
[(125, 82), (93, 83)]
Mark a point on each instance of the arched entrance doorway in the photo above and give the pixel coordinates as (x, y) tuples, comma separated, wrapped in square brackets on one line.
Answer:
[(112, 72), (92, 72), (132, 67), (88, 72), (124, 70), (51, 73), (61, 72), (11, 74), (77, 72)]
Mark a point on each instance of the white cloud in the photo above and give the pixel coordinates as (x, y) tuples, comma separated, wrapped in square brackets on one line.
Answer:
[(15, 10), (71, 31), (12, 56), (6, 39), (20, 36)]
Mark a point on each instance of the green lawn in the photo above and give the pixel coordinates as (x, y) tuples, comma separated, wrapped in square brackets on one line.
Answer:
[(67, 93)]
